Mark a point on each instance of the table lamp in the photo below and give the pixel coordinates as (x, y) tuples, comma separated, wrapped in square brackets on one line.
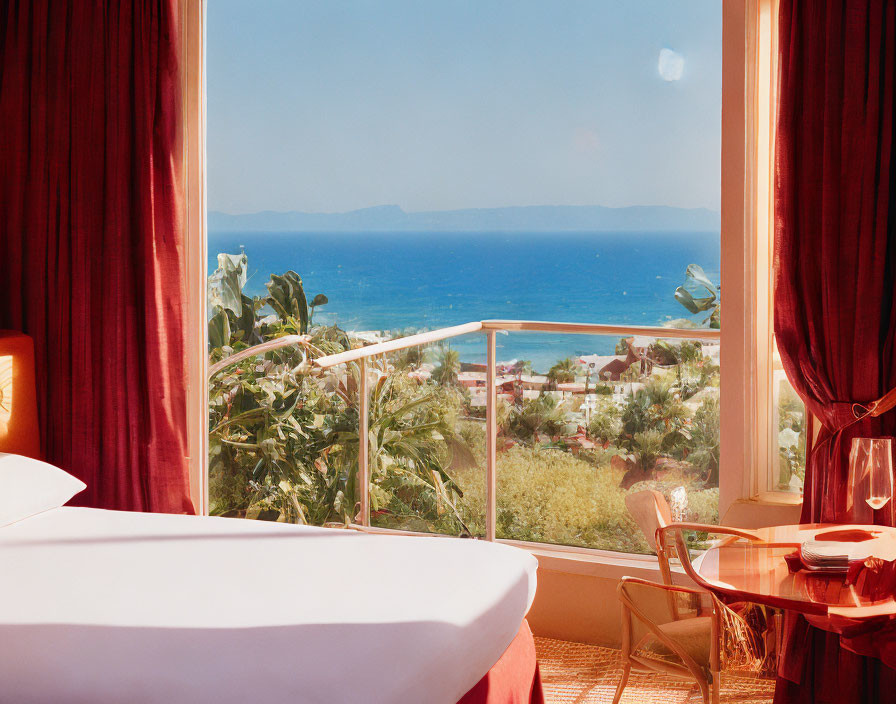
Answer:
[(19, 432)]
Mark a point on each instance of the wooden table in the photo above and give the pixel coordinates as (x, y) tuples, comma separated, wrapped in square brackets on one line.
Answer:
[(753, 566), (736, 569)]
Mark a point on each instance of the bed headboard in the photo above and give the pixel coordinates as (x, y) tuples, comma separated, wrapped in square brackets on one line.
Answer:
[(19, 430)]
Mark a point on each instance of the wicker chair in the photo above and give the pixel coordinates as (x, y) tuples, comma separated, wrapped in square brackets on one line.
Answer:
[(680, 631), (651, 512), (670, 630)]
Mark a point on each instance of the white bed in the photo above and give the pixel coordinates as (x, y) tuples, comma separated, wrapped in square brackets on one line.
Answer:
[(105, 606)]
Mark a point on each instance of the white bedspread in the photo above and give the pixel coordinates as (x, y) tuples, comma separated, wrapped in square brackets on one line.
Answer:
[(105, 606)]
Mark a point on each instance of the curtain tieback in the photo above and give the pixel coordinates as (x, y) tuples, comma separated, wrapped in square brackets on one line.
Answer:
[(875, 408), (839, 415)]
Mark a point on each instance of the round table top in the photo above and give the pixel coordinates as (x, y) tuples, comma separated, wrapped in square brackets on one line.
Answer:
[(757, 571)]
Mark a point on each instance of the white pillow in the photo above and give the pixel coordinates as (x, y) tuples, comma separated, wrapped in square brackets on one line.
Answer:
[(30, 486)]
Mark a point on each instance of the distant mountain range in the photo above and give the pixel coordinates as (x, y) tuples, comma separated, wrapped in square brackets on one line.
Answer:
[(536, 218)]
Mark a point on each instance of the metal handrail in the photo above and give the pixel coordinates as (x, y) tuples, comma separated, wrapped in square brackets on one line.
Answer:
[(425, 338), (360, 355), (255, 350), (399, 343), (601, 329)]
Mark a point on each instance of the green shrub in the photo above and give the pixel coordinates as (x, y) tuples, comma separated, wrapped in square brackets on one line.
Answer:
[(550, 496)]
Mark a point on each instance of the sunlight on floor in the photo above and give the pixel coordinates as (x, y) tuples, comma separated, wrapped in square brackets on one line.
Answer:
[(587, 674)]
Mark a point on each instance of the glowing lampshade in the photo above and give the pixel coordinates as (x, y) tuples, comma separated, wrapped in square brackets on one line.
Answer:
[(19, 432)]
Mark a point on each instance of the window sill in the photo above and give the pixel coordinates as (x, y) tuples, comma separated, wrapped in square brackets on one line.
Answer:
[(764, 510), (590, 563), (562, 558), (777, 498)]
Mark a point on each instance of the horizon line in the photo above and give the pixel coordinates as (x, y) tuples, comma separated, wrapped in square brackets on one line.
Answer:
[(453, 210)]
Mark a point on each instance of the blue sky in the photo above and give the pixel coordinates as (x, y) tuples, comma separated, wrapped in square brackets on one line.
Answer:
[(332, 105)]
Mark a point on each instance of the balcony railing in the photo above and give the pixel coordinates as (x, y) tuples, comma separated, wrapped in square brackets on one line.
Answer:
[(364, 356)]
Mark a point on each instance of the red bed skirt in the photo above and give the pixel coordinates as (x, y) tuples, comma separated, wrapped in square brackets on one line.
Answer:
[(514, 679)]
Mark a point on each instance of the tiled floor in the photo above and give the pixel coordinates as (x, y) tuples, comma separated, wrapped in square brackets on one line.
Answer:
[(573, 672)]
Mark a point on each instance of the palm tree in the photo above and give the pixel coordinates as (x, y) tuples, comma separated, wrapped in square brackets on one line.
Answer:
[(449, 366), (411, 444), (284, 443), (564, 371), (542, 415), (411, 358)]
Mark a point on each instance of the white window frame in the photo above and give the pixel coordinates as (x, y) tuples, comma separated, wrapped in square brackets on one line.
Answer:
[(749, 30), (192, 47), (749, 101)]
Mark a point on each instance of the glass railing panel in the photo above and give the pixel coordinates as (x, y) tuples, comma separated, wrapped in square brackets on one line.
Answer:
[(585, 420), (427, 438), (283, 442)]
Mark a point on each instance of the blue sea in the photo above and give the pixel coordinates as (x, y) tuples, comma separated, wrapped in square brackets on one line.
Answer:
[(405, 282)]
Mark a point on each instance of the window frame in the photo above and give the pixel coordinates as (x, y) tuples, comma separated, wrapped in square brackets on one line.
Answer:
[(749, 102), (749, 31), (193, 164)]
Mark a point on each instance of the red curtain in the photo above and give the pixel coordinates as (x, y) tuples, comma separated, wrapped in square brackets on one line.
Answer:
[(835, 201), (92, 257)]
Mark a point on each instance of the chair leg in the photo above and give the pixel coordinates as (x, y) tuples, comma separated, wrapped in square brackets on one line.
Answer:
[(626, 671), (704, 689), (715, 657)]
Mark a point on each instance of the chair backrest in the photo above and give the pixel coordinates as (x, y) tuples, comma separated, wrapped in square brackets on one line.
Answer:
[(672, 537), (650, 510), (645, 613)]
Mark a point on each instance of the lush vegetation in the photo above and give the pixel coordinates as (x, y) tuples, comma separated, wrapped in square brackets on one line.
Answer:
[(284, 436), (283, 443)]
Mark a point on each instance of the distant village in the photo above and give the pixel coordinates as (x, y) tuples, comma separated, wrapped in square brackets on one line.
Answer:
[(623, 374)]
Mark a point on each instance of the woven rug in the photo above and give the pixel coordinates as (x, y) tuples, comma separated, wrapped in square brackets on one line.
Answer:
[(587, 674)]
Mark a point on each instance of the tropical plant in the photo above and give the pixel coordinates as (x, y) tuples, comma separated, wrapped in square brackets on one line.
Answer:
[(532, 418), (283, 443), (647, 446), (564, 371), (232, 313), (449, 367), (655, 406), (410, 358), (653, 421), (668, 353), (605, 425), (412, 443), (699, 294), (280, 443)]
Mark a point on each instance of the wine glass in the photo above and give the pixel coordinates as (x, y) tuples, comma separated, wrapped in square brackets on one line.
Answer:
[(871, 467)]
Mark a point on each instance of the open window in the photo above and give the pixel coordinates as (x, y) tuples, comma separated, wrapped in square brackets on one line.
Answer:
[(288, 116)]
